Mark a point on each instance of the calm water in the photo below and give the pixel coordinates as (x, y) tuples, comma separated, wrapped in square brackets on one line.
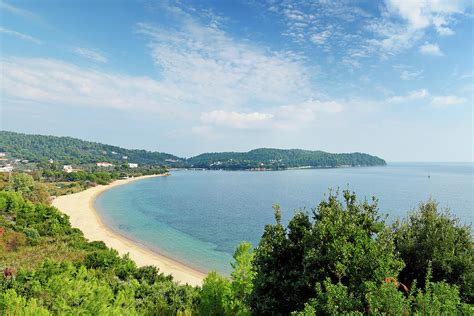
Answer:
[(198, 217)]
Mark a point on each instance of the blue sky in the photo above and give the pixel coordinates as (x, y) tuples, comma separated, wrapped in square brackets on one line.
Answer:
[(392, 78)]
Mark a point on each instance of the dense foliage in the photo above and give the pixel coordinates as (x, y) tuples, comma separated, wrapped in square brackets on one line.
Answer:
[(49, 267), (430, 237), (67, 150), (340, 259), (269, 158)]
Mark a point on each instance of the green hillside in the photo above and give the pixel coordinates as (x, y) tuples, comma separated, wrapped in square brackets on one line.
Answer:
[(281, 159), (70, 150)]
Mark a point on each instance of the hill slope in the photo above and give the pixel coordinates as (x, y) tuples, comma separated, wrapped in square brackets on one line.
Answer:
[(282, 158), (70, 150)]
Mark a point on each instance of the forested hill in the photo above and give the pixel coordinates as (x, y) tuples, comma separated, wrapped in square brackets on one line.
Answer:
[(70, 150), (282, 158)]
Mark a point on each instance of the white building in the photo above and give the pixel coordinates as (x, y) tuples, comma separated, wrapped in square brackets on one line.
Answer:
[(133, 165), (2, 154), (68, 168), (124, 157), (104, 164)]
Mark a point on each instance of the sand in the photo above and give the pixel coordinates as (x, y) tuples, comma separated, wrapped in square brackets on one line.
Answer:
[(80, 208)]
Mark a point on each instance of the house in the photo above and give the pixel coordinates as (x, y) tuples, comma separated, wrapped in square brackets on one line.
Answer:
[(124, 157), (171, 160), (132, 165), (68, 168), (104, 164), (2, 154), (51, 161)]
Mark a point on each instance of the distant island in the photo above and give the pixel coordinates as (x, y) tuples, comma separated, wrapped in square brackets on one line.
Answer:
[(75, 152)]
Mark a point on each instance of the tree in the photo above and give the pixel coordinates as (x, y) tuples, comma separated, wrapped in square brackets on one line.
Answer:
[(22, 183), (349, 244), (345, 246), (242, 277), (279, 283), (215, 295), (429, 236), (28, 188)]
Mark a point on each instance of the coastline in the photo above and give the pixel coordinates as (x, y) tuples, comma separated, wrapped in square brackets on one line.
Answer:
[(82, 214)]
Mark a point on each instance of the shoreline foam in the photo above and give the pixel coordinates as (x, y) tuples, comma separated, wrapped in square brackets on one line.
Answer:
[(80, 209)]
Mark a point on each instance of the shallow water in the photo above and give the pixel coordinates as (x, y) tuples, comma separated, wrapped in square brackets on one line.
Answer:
[(199, 217)]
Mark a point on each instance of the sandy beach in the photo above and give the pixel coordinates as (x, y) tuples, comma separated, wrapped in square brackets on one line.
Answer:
[(80, 208)]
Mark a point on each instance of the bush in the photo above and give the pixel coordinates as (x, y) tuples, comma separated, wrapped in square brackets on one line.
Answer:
[(13, 304), (215, 295), (32, 236), (437, 238)]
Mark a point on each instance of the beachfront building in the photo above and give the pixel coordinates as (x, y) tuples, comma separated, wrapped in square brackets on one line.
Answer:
[(104, 164), (2, 154), (132, 165)]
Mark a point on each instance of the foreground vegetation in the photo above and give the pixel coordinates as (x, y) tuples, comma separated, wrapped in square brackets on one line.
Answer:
[(341, 258), (67, 150)]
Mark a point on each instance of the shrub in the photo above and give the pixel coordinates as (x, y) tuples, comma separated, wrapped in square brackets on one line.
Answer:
[(429, 236)]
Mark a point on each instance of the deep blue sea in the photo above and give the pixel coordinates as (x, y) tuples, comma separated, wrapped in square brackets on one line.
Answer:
[(199, 217)]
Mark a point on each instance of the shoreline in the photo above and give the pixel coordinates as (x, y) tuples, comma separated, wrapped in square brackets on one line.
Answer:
[(82, 214)]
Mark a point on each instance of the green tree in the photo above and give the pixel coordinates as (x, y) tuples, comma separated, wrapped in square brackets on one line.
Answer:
[(216, 295), (345, 246), (13, 304), (28, 188), (22, 183), (242, 277), (279, 284), (430, 236)]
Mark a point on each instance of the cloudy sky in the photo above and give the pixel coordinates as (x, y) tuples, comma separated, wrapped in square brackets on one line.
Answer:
[(392, 78)]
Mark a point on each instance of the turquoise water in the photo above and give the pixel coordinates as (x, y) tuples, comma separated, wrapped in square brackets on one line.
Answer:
[(198, 217)]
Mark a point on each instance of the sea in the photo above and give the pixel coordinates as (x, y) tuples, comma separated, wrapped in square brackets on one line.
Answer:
[(199, 217)]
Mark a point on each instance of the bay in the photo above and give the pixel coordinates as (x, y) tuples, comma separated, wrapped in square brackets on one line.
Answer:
[(199, 217)]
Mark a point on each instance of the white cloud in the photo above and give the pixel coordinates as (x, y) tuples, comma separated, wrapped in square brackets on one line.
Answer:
[(215, 69), (236, 119), (92, 54), (412, 95), (18, 11), (427, 98), (421, 14), (286, 116), (62, 84), (320, 38), (391, 38), (21, 36), (408, 73), (307, 111), (447, 101), (403, 23), (431, 49)]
